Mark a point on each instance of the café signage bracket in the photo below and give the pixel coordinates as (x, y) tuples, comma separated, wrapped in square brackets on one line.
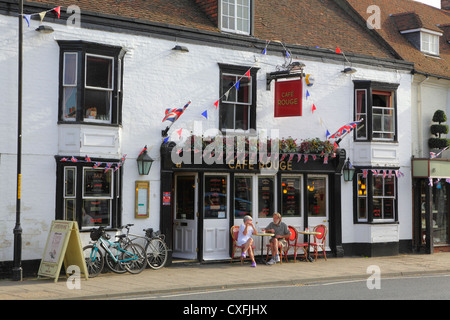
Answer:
[(285, 74)]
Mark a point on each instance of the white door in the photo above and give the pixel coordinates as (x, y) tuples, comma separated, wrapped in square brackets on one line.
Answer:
[(185, 217), (216, 217), (317, 202)]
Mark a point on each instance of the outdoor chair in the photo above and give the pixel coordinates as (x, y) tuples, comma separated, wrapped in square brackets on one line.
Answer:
[(319, 241), (234, 235)]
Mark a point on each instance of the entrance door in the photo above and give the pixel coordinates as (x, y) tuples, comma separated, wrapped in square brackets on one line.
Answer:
[(216, 225), (317, 202), (185, 217)]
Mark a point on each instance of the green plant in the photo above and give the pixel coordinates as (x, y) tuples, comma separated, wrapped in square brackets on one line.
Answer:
[(437, 130)]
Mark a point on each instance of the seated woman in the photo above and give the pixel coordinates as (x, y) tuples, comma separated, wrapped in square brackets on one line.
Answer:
[(245, 238), (281, 231)]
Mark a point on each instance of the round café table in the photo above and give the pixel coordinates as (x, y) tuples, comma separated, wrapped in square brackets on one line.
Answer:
[(308, 233), (262, 235)]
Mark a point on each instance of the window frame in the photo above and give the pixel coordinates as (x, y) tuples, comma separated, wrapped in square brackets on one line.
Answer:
[(374, 88), (223, 17), (238, 72), (432, 45), (369, 197), (83, 50)]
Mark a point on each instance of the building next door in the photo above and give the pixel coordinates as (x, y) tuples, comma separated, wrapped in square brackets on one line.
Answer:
[(216, 217), (317, 203), (185, 220)]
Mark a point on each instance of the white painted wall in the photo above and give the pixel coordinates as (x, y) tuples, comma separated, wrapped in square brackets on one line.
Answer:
[(156, 78)]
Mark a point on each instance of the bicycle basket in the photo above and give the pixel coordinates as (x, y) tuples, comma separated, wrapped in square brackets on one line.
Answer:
[(96, 234), (149, 233)]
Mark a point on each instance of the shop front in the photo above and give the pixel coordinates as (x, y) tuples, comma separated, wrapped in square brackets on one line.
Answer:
[(202, 201), (431, 178)]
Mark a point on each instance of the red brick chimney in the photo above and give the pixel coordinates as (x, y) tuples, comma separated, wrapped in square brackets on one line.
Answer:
[(445, 4), (210, 8)]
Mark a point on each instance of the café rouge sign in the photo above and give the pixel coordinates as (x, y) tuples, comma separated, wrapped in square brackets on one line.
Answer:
[(250, 165), (288, 98)]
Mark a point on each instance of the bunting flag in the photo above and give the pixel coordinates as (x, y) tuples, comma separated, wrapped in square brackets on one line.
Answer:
[(173, 114), (434, 155), (307, 94), (98, 164), (56, 10), (344, 130), (338, 50), (205, 114), (247, 74), (313, 108)]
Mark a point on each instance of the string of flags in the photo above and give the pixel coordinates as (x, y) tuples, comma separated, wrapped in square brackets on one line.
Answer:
[(98, 164), (382, 172), (438, 181), (283, 156), (173, 114), (42, 14)]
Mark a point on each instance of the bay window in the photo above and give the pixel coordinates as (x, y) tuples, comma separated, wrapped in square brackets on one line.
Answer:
[(88, 194), (376, 196), (90, 83), (376, 103)]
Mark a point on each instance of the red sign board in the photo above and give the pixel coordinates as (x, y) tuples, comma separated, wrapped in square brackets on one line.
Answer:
[(288, 98)]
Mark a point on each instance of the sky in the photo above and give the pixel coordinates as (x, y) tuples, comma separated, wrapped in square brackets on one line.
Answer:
[(434, 3)]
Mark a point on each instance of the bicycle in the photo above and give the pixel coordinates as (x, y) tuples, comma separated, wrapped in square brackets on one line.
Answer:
[(120, 256), (155, 248)]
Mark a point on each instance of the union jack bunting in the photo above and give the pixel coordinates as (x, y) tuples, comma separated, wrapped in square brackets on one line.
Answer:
[(173, 114), (345, 129)]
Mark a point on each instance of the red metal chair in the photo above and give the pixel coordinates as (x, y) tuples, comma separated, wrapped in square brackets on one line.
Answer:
[(293, 243), (319, 241), (234, 235)]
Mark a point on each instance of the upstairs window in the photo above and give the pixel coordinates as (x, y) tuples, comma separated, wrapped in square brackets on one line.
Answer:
[(238, 104), (90, 83), (235, 16), (375, 102), (429, 43)]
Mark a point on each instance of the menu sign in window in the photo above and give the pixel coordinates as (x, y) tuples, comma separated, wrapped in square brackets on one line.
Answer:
[(215, 199), (97, 183), (242, 196), (290, 196), (266, 196)]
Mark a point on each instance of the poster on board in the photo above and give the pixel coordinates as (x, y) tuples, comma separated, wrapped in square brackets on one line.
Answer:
[(63, 245)]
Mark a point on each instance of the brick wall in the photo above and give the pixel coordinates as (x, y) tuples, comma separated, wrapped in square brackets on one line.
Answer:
[(210, 8)]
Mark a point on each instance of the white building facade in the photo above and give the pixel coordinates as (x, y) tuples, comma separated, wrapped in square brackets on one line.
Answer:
[(93, 97)]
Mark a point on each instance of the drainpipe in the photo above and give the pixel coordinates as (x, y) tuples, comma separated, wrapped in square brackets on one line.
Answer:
[(419, 115)]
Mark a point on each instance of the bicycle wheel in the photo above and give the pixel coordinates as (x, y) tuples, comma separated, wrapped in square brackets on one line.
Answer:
[(134, 256), (94, 260), (113, 265), (156, 253)]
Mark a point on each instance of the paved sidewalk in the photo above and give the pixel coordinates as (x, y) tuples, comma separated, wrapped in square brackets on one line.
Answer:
[(182, 277)]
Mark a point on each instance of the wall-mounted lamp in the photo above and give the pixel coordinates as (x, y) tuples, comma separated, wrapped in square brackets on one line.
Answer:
[(348, 171), (349, 70), (144, 162), (180, 48), (296, 66), (44, 29)]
